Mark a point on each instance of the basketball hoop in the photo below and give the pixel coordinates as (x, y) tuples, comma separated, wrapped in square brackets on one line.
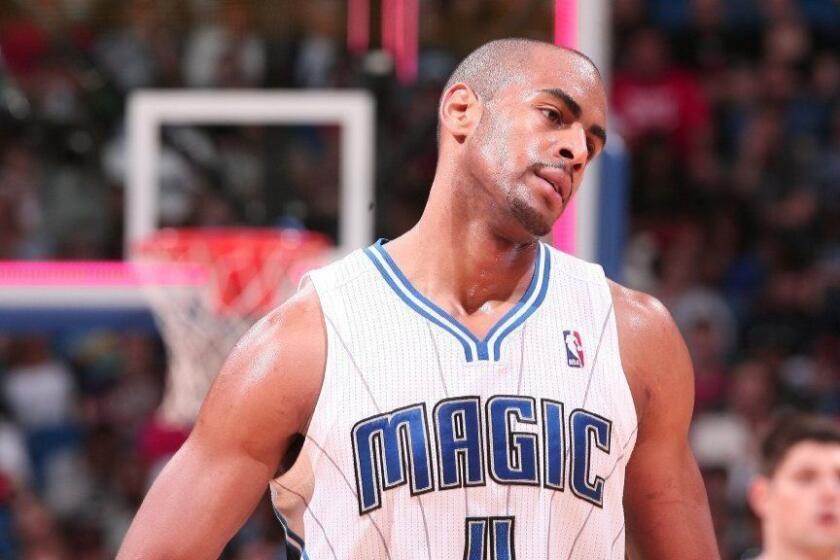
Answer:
[(237, 275)]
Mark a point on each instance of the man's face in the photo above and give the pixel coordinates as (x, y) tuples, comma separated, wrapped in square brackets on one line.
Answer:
[(800, 505), (537, 135)]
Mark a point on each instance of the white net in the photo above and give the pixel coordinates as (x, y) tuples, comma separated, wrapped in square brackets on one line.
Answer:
[(235, 276)]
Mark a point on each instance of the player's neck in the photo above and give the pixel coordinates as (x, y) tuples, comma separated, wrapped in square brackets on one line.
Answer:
[(463, 260)]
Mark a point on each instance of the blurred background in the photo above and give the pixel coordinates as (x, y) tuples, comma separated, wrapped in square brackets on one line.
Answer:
[(729, 109)]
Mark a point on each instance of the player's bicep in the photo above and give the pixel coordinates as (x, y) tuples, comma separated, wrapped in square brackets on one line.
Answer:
[(664, 498), (196, 504), (265, 391)]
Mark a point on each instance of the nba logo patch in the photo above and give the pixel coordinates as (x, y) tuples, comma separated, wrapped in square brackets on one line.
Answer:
[(574, 348)]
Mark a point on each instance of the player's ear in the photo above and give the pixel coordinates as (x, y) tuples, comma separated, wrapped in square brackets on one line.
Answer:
[(757, 495), (459, 112)]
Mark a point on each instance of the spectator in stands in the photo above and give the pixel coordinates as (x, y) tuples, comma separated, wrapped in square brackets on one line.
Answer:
[(229, 52), (139, 52), (709, 41), (38, 388), (22, 233), (652, 98), (797, 493), (37, 532), (319, 50), (23, 42)]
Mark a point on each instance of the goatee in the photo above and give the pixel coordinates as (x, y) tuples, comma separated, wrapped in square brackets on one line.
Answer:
[(528, 216)]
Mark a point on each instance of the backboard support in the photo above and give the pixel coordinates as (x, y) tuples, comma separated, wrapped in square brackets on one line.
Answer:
[(352, 111)]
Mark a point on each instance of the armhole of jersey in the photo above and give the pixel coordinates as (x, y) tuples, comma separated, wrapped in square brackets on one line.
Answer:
[(313, 277), (596, 279), (328, 282), (307, 277), (613, 326)]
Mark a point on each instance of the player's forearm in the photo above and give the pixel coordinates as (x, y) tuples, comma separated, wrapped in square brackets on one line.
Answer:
[(195, 506), (672, 521), (674, 543), (158, 532)]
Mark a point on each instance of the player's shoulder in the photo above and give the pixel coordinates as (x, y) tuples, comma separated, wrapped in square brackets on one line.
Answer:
[(653, 352), (279, 360), (293, 333), (301, 311), (300, 314), (642, 315), (282, 355)]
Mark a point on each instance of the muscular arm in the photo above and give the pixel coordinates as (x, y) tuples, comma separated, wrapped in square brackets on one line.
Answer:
[(262, 397), (665, 501)]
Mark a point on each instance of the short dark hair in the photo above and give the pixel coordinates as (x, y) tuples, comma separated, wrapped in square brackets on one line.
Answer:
[(790, 429)]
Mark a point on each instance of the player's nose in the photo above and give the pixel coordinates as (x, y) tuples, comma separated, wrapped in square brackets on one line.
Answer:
[(572, 146), (830, 489)]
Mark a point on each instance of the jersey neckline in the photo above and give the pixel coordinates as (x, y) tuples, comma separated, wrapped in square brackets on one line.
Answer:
[(488, 348)]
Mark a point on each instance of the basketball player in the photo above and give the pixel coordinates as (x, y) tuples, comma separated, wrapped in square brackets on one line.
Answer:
[(419, 400), (797, 494)]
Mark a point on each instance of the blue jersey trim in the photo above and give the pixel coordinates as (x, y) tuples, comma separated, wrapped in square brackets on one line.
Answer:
[(543, 290), (474, 349), (395, 270), (292, 538), (468, 354)]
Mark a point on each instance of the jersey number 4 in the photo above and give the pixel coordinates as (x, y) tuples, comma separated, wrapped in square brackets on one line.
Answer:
[(489, 538)]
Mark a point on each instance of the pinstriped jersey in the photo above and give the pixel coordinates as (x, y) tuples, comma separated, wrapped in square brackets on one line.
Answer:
[(430, 443)]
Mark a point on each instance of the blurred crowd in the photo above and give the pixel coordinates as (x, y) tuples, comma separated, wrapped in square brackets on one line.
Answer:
[(730, 111)]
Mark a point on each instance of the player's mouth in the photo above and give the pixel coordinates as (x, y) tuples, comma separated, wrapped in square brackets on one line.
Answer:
[(558, 178), (828, 519)]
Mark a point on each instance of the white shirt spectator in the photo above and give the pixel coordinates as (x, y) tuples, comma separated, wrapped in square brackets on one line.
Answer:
[(14, 460), (210, 48), (39, 395)]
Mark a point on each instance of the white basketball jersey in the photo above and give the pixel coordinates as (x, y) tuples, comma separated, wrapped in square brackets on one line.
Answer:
[(427, 443)]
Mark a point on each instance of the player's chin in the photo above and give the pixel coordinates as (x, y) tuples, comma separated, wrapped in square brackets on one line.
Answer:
[(536, 221), (554, 210), (820, 536), (822, 544)]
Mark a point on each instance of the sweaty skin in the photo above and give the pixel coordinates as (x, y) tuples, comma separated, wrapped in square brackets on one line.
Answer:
[(507, 168)]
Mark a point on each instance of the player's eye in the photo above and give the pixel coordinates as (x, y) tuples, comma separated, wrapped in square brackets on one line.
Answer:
[(553, 115), (805, 477)]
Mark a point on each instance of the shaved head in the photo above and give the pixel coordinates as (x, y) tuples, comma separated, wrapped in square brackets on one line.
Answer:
[(522, 119), (494, 65)]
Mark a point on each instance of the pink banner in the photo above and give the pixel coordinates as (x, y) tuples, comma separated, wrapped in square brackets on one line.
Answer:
[(97, 273), (388, 27), (358, 26), (563, 234), (565, 23), (407, 15)]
